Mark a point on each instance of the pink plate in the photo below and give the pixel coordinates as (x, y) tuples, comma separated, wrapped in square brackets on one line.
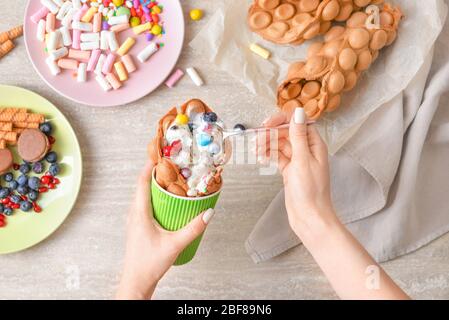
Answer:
[(147, 78)]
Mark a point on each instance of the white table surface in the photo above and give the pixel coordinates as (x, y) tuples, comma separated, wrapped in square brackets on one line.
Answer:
[(113, 140)]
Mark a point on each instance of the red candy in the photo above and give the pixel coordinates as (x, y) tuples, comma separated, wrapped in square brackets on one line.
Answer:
[(51, 139), (16, 166)]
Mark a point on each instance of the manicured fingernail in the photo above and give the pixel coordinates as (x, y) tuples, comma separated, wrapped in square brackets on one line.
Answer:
[(300, 116), (265, 121), (208, 215), (263, 160)]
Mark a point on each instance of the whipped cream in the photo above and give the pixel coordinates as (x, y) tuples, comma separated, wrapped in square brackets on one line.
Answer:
[(195, 145)]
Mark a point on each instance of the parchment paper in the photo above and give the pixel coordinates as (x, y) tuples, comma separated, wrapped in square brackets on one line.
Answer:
[(225, 42)]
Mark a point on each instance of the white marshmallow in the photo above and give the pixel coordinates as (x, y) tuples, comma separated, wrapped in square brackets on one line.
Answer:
[(146, 53), (82, 72), (53, 66), (104, 84), (40, 34), (58, 54), (83, 26), (89, 46)]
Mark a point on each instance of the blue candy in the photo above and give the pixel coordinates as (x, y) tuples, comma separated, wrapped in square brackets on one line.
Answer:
[(204, 140)]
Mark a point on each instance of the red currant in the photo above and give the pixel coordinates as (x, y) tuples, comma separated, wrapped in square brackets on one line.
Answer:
[(166, 151), (45, 179)]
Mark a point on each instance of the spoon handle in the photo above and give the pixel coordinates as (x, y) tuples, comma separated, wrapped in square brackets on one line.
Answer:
[(228, 134)]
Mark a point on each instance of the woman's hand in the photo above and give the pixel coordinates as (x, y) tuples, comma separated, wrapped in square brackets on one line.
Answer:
[(303, 162), (151, 250)]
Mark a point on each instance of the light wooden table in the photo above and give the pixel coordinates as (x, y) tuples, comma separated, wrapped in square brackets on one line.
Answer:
[(113, 140)]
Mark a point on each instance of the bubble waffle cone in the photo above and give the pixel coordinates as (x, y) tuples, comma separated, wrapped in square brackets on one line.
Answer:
[(294, 21), (167, 173), (5, 126), (16, 115), (8, 136), (335, 65)]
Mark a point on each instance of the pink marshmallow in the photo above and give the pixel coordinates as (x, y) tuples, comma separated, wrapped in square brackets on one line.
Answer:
[(40, 14), (76, 39), (107, 67), (93, 60), (174, 78)]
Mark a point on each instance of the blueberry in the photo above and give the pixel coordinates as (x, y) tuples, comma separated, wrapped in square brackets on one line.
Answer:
[(38, 167), (8, 177), (24, 168), (33, 195), (34, 183), (22, 190), (25, 206), (239, 126), (13, 185), (4, 192), (22, 180), (51, 157), (210, 117), (7, 211), (2, 207), (54, 169), (46, 128), (16, 198)]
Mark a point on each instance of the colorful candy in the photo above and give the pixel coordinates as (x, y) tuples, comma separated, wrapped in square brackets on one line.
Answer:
[(174, 78), (146, 53), (182, 119), (196, 14), (82, 72), (195, 76), (264, 53), (81, 35), (126, 46)]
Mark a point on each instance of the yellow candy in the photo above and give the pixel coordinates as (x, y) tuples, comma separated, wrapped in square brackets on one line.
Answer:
[(196, 14), (118, 3), (182, 119), (134, 21), (157, 10), (156, 29)]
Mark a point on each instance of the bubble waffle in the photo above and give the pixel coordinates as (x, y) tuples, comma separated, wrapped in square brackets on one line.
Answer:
[(294, 21), (167, 173), (334, 66)]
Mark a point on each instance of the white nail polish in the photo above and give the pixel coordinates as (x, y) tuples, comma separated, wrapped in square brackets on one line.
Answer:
[(300, 116), (208, 215)]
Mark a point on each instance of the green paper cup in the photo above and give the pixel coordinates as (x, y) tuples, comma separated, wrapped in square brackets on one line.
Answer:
[(173, 212)]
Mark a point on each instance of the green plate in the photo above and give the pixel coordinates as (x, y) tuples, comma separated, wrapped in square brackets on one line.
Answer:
[(25, 229)]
